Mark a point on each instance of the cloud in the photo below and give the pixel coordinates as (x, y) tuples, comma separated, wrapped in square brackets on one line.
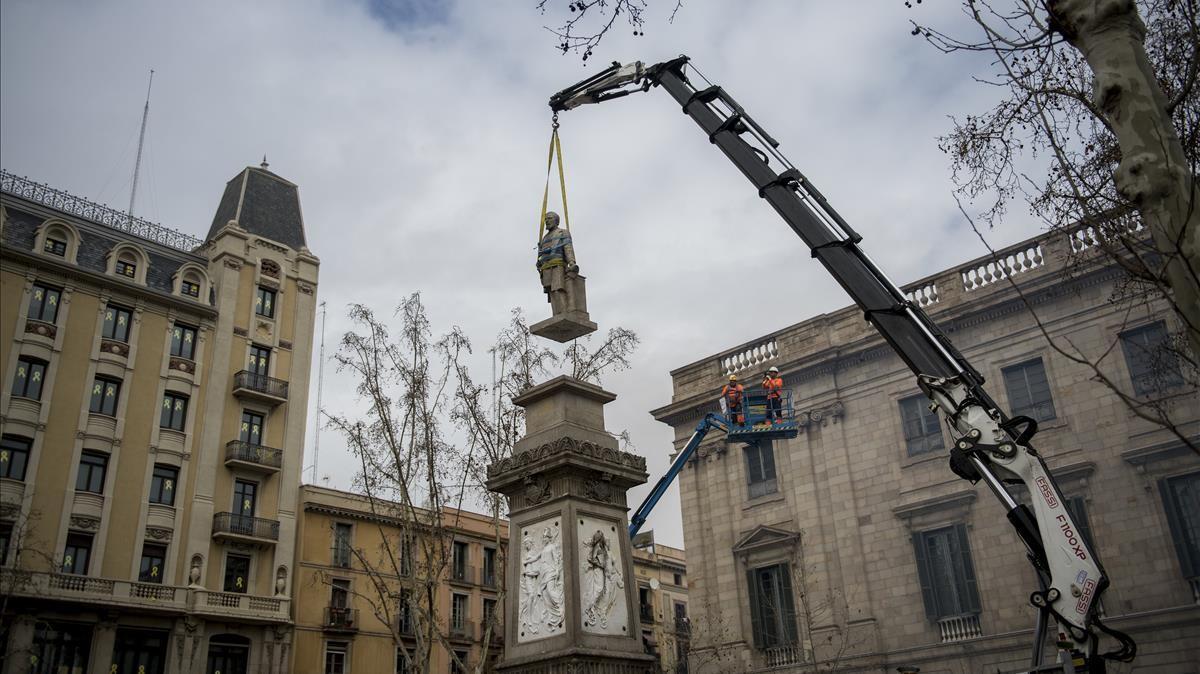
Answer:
[(417, 132)]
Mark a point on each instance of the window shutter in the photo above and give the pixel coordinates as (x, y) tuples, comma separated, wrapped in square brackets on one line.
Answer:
[(966, 570), (755, 608), (767, 456), (788, 609), (1187, 563), (925, 576), (753, 465), (1078, 511)]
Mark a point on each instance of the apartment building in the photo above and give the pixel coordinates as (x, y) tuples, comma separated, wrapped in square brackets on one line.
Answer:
[(661, 575), (853, 546), (152, 419), (383, 588)]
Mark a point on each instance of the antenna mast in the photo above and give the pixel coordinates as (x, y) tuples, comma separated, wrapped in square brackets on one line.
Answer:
[(137, 164), (320, 387)]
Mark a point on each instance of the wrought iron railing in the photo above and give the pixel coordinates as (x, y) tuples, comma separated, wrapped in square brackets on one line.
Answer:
[(89, 210), (245, 525), (341, 618), (261, 383), (237, 450), (462, 573), (463, 629)]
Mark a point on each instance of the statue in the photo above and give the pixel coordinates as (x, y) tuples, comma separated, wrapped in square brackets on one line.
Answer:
[(563, 285)]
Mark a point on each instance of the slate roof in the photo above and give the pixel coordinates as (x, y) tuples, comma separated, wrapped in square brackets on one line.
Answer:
[(263, 204)]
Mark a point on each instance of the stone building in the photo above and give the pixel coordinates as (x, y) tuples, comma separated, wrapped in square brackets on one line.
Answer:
[(348, 549), (854, 544), (153, 420), (661, 575)]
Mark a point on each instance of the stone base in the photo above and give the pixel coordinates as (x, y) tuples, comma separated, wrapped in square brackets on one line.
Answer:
[(565, 327), (582, 661)]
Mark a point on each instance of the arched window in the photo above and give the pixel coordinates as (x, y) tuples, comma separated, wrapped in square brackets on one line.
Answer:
[(57, 238), (128, 262), (191, 281)]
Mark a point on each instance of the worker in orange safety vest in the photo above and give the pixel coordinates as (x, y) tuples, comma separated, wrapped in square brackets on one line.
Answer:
[(773, 385), (732, 393)]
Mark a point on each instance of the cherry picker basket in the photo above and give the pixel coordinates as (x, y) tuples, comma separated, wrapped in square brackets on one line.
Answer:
[(757, 426)]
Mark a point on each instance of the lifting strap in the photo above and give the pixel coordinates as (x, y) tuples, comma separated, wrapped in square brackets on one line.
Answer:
[(555, 151)]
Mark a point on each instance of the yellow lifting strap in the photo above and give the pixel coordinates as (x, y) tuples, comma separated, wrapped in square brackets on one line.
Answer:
[(555, 151)]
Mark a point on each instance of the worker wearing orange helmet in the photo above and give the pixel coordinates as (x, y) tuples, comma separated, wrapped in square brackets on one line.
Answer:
[(732, 394), (773, 385)]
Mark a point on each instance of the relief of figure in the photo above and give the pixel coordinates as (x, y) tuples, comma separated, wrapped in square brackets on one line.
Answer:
[(541, 596), (602, 582)]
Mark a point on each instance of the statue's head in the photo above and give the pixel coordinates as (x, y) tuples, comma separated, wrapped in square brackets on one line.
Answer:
[(547, 535), (551, 220)]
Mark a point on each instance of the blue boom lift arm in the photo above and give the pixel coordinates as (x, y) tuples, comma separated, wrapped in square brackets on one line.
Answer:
[(709, 422), (990, 446)]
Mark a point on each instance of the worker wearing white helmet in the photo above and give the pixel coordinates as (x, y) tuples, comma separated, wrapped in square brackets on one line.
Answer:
[(773, 385)]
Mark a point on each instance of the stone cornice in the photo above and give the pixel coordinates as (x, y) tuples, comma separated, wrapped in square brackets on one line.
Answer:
[(559, 384), (536, 458), (956, 501)]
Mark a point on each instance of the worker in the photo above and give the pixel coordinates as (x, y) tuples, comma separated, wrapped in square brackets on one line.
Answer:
[(773, 385), (556, 263), (732, 393)]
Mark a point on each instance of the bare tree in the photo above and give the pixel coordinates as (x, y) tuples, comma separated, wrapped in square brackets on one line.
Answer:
[(713, 644), (824, 616), (588, 21)]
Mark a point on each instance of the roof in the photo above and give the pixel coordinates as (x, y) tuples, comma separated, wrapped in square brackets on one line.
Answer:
[(264, 204)]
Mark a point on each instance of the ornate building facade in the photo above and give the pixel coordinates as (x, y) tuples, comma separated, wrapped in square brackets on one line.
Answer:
[(661, 575), (153, 415), (853, 546), (363, 572)]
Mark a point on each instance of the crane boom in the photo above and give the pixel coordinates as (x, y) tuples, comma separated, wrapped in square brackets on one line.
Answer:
[(706, 424), (991, 446)]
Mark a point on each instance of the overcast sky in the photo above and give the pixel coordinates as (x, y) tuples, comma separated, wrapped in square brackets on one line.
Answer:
[(417, 133)]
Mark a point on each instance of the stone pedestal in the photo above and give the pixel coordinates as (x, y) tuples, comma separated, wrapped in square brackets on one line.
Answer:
[(571, 604), (570, 321)]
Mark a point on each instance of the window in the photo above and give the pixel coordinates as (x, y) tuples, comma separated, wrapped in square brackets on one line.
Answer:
[(174, 411), (105, 393), (1077, 508), (406, 555), (760, 469), (43, 303), (680, 610), (139, 652), (162, 484), (458, 612), (153, 560), (183, 341), (1028, 390), (459, 664), (1153, 367), (260, 360), (31, 374), (404, 615), (92, 468), (14, 456), (341, 544), (645, 605), (403, 664), (339, 594), (55, 247), (189, 288), (489, 567), (237, 573), (264, 303), (116, 323), (126, 268), (1181, 500), (490, 617), (946, 572), (60, 648), (922, 431), (244, 495), (458, 560), (335, 657), (6, 534), (772, 609), (252, 428), (677, 579), (77, 554)]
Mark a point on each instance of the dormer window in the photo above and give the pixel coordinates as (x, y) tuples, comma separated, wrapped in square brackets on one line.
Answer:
[(126, 268), (190, 288), (190, 281), (55, 247)]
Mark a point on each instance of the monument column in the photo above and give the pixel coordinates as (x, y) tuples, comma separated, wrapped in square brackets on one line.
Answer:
[(571, 603)]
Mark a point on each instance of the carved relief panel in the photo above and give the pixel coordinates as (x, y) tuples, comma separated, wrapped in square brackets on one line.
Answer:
[(541, 597), (603, 605)]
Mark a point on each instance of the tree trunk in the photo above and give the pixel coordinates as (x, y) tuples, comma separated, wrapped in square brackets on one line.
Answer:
[(1154, 173)]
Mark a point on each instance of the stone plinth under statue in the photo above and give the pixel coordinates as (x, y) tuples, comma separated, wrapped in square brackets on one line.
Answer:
[(571, 603)]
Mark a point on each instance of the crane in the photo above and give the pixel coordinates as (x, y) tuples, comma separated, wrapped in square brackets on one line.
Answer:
[(992, 447)]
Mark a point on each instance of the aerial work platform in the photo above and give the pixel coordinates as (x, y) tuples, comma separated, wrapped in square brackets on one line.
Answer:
[(756, 426)]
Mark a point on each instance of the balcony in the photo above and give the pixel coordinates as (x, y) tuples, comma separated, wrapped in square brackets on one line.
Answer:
[(246, 529), (340, 620), (260, 387), (405, 625), (959, 628), (106, 592), (239, 607), (462, 574), (487, 578), (463, 630), (496, 635), (257, 458), (646, 614), (783, 656)]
